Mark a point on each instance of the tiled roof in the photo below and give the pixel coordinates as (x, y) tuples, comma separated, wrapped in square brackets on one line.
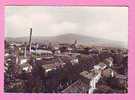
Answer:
[(77, 87)]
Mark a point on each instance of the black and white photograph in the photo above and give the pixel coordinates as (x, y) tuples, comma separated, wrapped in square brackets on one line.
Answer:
[(66, 49)]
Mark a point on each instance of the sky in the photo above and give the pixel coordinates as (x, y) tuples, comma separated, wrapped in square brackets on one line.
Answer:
[(101, 22)]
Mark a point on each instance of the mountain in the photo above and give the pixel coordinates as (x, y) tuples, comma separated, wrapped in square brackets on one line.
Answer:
[(70, 38)]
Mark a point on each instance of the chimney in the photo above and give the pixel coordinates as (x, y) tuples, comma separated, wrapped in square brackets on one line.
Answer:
[(30, 40), (75, 44), (25, 46), (17, 60)]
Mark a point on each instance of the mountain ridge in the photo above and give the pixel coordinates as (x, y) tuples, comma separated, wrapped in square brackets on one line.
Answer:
[(70, 38)]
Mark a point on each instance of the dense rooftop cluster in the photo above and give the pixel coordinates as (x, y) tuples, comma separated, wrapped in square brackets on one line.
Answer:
[(64, 68)]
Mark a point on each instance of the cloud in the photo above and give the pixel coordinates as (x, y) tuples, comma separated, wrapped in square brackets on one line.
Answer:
[(64, 27), (102, 22)]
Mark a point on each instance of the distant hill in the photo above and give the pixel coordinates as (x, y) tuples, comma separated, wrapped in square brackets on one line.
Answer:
[(70, 38)]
